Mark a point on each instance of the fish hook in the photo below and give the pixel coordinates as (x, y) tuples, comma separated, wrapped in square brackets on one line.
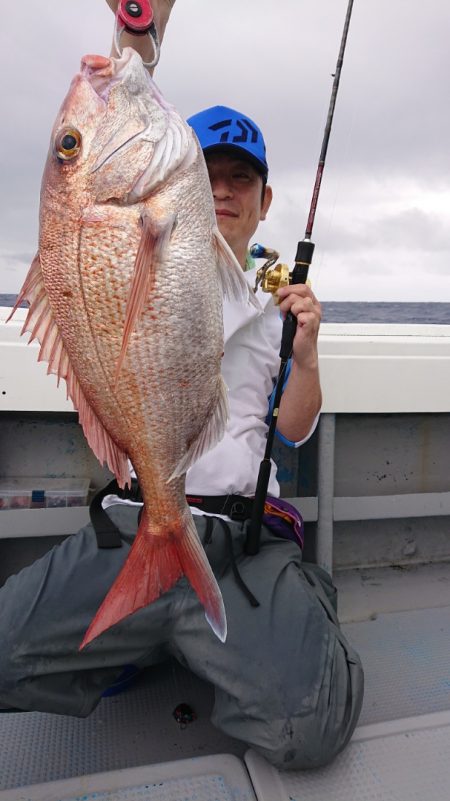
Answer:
[(136, 17)]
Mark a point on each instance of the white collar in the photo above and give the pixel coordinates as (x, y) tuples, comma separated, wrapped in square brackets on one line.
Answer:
[(236, 314)]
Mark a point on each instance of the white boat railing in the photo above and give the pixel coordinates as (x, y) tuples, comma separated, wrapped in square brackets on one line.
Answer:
[(365, 369)]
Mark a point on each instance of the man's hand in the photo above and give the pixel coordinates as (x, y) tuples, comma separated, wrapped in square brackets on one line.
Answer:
[(302, 398), (303, 304), (161, 14)]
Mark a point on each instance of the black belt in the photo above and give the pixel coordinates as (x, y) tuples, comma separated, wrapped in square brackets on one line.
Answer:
[(107, 533), (235, 507)]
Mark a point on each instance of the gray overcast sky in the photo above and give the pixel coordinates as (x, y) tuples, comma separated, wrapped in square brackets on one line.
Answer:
[(383, 221)]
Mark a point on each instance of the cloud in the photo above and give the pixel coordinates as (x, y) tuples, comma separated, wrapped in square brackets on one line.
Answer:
[(382, 209), (13, 269)]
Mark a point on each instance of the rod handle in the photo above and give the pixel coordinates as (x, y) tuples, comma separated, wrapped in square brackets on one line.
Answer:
[(303, 259), (253, 535)]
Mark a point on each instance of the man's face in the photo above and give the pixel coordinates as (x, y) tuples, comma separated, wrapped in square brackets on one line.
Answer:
[(238, 198)]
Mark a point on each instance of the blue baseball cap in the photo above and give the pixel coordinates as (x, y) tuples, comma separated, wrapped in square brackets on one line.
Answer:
[(223, 128)]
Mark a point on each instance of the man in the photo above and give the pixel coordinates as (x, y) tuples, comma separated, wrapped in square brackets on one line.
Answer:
[(238, 173), (286, 681)]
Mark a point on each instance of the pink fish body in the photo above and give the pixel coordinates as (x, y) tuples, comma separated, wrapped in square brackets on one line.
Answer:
[(125, 299)]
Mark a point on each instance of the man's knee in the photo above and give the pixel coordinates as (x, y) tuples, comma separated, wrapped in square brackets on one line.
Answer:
[(303, 720), (303, 742), (308, 744)]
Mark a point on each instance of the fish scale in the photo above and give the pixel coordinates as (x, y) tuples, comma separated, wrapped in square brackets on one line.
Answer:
[(126, 300)]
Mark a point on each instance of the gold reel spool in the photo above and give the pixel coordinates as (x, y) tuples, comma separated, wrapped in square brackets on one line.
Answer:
[(273, 278)]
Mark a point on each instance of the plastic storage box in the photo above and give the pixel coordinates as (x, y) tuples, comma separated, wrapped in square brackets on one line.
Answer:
[(42, 493)]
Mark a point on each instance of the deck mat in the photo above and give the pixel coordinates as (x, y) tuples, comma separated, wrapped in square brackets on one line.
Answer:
[(406, 659), (408, 765), (134, 728), (214, 778)]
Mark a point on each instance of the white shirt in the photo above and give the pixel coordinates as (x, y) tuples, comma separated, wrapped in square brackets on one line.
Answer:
[(250, 365)]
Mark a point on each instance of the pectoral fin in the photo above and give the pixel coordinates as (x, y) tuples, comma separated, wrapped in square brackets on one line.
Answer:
[(150, 257)]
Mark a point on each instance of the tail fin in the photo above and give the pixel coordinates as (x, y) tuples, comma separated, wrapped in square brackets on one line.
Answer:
[(154, 564)]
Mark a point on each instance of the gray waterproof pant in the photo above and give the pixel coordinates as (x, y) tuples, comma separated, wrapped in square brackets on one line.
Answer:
[(286, 680)]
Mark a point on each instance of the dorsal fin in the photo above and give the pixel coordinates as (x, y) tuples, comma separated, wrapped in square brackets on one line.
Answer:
[(231, 274)]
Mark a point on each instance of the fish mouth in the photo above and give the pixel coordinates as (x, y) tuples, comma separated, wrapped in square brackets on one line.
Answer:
[(139, 113), (103, 73)]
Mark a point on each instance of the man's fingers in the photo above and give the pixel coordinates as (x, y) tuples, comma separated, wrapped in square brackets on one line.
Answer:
[(305, 318), (297, 298), (296, 304), (302, 290)]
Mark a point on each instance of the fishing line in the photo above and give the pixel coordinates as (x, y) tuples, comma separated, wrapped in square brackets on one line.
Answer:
[(330, 222)]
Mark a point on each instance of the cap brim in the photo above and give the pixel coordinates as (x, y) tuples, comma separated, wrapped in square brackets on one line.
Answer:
[(241, 153)]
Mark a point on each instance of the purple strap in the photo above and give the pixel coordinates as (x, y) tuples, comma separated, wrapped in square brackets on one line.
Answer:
[(284, 520)]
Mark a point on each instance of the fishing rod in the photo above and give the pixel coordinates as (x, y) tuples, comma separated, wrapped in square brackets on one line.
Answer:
[(270, 280)]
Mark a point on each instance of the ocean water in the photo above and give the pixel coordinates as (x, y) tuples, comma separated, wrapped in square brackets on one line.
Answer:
[(359, 312)]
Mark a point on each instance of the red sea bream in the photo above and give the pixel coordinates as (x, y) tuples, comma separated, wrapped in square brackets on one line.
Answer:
[(125, 299)]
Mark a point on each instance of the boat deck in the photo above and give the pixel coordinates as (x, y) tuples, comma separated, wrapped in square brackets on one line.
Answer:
[(398, 620), (373, 487)]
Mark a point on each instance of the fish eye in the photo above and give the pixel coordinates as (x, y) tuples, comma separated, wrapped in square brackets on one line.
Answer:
[(68, 144)]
